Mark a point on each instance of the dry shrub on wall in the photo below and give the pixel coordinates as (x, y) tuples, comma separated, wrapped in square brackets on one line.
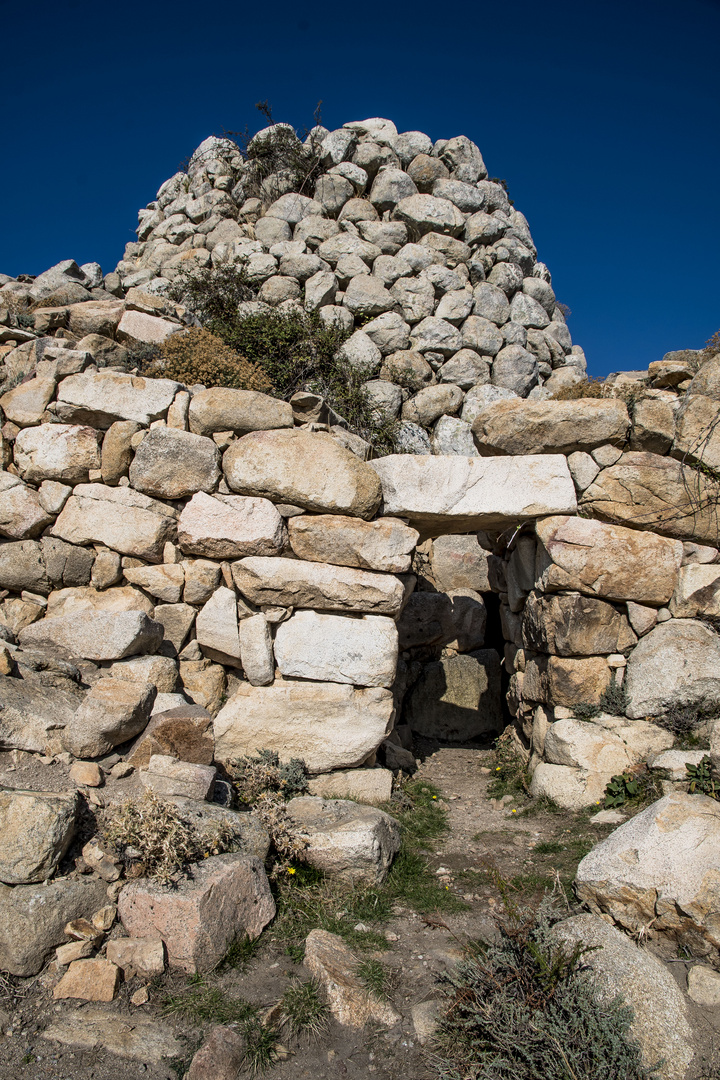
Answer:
[(153, 840), (598, 388), (292, 347), (589, 388), (695, 358), (282, 160), (198, 356), (712, 346)]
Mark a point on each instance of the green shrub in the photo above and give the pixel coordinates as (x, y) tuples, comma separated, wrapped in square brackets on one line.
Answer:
[(212, 294), (684, 720), (294, 349), (702, 780), (524, 1009), (632, 787), (265, 773), (197, 356), (613, 701)]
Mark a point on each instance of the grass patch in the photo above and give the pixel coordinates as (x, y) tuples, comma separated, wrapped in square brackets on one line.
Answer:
[(304, 905), (510, 776), (374, 977), (240, 954), (303, 1010), (558, 864), (548, 847), (203, 1004), (261, 1045), (541, 805), (549, 869), (524, 1009), (306, 900)]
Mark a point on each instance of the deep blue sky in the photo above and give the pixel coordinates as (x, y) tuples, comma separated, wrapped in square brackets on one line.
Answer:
[(603, 117)]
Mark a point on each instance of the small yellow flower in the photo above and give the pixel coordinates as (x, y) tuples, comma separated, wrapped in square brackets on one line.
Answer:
[(514, 811), (434, 796), (498, 768), (291, 870)]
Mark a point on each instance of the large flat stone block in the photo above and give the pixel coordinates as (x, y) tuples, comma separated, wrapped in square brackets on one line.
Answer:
[(457, 494)]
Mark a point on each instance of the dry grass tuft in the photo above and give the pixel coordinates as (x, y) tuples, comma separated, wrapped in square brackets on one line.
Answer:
[(153, 840)]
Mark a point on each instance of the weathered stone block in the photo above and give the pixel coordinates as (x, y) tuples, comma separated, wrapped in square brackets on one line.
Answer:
[(676, 664), (385, 544), (227, 897), (608, 561), (330, 725), (33, 919), (120, 518), (346, 841), (550, 427), (574, 625), (230, 526), (172, 464), (296, 583), (338, 649), (96, 635), (36, 829), (454, 494), (241, 411), (660, 867), (305, 469), (63, 452), (102, 397), (113, 712)]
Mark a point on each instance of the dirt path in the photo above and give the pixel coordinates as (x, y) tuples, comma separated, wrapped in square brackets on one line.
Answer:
[(492, 849)]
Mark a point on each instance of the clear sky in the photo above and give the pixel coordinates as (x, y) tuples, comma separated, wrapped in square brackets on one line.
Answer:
[(603, 117)]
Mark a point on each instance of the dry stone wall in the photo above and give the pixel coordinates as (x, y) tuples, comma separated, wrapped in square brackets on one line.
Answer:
[(270, 584), (168, 545)]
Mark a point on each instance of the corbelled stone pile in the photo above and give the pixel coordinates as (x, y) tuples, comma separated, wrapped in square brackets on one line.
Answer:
[(404, 243)]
